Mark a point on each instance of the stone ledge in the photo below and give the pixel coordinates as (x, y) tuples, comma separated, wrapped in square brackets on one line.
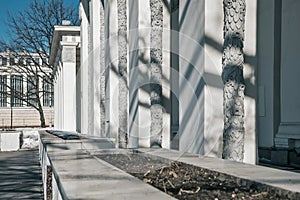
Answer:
[(80, 175), (285, 181), (77, 174)]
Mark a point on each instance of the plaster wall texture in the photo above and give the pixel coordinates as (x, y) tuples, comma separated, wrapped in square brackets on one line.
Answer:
[(63, 59), (250, 67), (191, 82), (278, 108), (290, 104), (95, 65), (289, 127), (78, 92), (84, 67), (200, 85), (138, 27), (143, 65), (65, 90), (199, 89), (56, 102), (111, 53), (9, 141), (166, 74), (265, 73), (69, 107), (133, 48), (192, 90)]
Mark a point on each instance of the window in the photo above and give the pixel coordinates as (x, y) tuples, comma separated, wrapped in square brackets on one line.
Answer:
[(32, 85), (28, 61), (21, 61), (47, 93), (3, 90), (37, 61), (12, 61), (4, 61), (44, 61), (16, 82)]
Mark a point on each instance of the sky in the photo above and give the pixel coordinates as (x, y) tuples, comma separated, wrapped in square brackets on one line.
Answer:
[(14, 6)]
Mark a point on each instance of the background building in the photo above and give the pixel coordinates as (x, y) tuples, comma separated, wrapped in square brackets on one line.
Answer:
[(18, 92)]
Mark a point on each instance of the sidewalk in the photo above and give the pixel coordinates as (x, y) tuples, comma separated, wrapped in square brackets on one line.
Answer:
[(20, 175)]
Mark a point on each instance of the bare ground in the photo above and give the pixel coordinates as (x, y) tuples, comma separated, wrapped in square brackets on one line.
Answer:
[(184, 181)]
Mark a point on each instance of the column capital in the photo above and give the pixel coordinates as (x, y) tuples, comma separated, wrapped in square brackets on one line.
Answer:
[(68, 53)]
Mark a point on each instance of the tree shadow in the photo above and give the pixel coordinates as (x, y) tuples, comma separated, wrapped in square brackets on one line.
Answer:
[(20, 175)]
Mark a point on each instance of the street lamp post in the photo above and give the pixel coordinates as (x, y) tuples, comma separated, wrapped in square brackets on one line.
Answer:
[(11, 107)]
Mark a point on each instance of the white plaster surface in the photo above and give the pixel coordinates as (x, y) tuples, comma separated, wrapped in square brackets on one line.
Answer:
[(213, 95), (290, 104), (84, 67), (265, 73), (9, 141), (144, 54), (191, 83)]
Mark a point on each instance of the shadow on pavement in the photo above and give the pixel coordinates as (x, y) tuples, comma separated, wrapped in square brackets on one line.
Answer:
[(20, 175)]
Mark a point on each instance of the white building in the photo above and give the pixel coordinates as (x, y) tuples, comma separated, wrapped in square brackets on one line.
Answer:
[(124, 45), (17, 91)]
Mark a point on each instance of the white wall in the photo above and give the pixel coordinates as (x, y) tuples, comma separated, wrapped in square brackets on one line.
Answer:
[(191, 82), (289, 128), (265, 73), (111, 66), (200, 85)]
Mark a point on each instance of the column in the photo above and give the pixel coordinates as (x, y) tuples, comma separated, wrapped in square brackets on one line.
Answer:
[(111, 69), (68, 58), (84, 12), (56, 111), (144, 114), (122, 74), (133, 122)]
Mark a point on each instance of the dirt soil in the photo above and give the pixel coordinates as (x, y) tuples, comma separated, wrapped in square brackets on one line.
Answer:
[(184, 181)]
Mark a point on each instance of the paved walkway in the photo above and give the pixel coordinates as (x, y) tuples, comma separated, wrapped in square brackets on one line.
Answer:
[(20, 175)]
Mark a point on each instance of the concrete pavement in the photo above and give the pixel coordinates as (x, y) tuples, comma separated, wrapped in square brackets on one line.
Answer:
[(20, 175)]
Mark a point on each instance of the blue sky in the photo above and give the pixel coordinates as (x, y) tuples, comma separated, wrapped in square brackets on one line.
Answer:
[(15, 6)]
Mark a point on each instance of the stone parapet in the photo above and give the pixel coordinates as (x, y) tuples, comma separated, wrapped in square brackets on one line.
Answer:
[(73, 172), (10, 141)]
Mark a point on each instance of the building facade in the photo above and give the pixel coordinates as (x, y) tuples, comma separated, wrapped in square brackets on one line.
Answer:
[(148, 73), (18, 92)]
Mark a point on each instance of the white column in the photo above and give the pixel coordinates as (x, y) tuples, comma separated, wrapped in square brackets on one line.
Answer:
[(69, 85), (133, 82), (143, 65), (61, 97), (59, 113), (66, 41), (111, 63), (191, 82), (56, 111), (95, 66), (84, 66), (166, 72)]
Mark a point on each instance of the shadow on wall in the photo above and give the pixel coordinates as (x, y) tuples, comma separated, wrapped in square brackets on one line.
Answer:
[(188, 61)]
